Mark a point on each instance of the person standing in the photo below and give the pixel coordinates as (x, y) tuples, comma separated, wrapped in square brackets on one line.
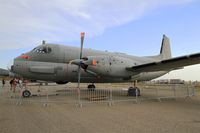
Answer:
[(14, 84), (20, 82), (3, 82), (11, 84)]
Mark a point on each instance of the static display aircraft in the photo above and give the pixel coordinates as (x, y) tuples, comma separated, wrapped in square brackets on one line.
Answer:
[(63, 64)]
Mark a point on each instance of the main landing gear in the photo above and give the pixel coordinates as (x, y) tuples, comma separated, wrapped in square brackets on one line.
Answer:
[(134, 91), (91, 87)]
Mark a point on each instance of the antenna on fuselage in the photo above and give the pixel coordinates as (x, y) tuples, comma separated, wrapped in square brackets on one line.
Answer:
[(43, 42)]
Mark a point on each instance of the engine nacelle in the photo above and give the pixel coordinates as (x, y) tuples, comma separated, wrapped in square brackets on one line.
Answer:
[(108, 65)]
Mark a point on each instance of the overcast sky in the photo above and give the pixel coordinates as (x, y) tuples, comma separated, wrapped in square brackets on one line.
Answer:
[(131, 26)]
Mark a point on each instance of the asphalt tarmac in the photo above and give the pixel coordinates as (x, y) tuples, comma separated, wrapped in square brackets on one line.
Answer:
[(180, 115)]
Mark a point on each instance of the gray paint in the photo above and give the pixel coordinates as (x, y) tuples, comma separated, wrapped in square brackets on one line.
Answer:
[(60, 63)]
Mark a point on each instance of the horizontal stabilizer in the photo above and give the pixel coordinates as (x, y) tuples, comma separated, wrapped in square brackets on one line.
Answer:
[(168, 64)]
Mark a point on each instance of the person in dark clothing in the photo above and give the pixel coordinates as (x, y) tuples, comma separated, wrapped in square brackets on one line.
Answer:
[(3, 82), (11, 84)]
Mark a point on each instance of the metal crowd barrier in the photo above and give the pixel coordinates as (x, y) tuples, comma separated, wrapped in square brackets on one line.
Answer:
[(109, 94)]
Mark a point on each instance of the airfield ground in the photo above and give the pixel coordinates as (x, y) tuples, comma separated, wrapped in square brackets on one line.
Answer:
[(169, 116)]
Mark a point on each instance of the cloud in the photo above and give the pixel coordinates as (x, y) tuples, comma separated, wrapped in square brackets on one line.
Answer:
[(25, 22)]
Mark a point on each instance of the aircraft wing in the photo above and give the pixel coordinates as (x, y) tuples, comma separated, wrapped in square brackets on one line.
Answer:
[(4, 72), (167, 65)]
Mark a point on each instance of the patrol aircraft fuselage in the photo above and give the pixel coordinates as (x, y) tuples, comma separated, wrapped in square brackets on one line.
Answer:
[(60, 63), (55, 66)]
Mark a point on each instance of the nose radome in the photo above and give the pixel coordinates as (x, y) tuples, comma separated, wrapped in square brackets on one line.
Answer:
[(10, 65)]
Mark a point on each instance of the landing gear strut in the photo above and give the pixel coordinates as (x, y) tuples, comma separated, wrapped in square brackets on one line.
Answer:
[(91, 87)]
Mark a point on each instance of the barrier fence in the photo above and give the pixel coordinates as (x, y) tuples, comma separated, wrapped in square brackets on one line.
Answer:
[(109, 94)]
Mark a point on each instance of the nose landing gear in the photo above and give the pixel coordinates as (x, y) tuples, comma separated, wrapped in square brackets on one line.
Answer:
[(26, 93)]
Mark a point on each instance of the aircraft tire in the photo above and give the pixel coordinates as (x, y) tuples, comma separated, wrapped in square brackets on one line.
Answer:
[(26, 93), (132, 91), (91, 87)]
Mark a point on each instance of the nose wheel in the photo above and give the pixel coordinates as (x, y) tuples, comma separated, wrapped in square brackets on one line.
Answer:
[(26, 93)]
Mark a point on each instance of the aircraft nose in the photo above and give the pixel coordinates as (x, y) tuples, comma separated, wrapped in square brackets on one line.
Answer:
[(10, 65)]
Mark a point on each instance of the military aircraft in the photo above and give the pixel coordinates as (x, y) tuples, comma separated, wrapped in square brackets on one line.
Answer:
[(63, 64)]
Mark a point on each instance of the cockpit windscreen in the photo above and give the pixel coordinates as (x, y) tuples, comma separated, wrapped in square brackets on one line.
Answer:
[(42, 50)]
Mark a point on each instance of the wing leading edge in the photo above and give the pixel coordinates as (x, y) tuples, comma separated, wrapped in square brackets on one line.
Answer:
[(168, 64)]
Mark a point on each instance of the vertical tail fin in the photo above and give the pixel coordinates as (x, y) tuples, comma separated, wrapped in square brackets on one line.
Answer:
[(165, 51)]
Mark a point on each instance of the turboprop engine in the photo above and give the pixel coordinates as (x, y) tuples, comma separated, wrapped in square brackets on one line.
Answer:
[(105, 65)]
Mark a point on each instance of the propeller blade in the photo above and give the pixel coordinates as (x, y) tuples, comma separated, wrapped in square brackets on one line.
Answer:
[(91, 72), (79, 67), (82, 40), (76, 62)]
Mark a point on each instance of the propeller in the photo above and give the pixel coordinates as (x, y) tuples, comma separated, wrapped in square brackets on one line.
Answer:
[(83, 62), (79, 66)]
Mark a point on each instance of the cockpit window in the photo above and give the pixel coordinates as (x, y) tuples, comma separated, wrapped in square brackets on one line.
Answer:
[(42, 50)]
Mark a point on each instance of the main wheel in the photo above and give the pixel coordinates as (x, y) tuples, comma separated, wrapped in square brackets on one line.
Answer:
[(91, 87), (26, 93), (133, 91)]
